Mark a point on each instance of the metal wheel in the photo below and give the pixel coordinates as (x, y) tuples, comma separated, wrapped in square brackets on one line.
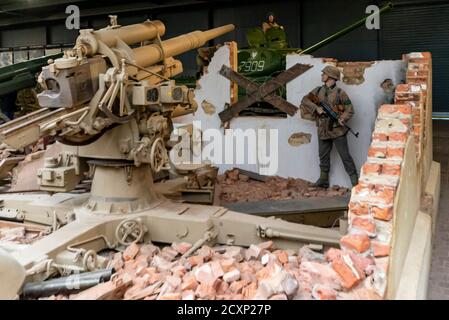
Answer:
[(90, 260), (129, 231), (158, 155)]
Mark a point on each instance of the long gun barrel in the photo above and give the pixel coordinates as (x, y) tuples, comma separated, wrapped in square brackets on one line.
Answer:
[(346, 30), (334, 116), (151, 54), (21, 75), (90, 40)]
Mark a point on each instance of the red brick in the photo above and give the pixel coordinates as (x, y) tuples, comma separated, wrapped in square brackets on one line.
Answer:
[(371, 168), (179, 270), (363, 224), (388, 108), (404, 109), (320, 292), (216, 269), (131, 251), (249, 291), (361, 262), (395, 152), (398, 136), (391, 169), (333, 254), (282, 256), (348, 272), (227, 264), (232, 276), (365, 294), (149, 249), (205, 291), (380, 249), (188, 295), (195, 261), (189, 283), (221, 287), (168, 253), (263, 273), (170, 296), (237, 286), (385, 214), (205, 274), (357, 242), (266, 245), (206, 252), (253, 252), (377, 152), (358, 208), (181, 247), (380, 137)]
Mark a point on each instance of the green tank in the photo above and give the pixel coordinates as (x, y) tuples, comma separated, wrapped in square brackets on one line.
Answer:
[(266, 53), (262, 60)]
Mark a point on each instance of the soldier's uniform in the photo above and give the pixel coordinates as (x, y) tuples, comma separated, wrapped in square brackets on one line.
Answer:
[(269, 25), (330, 132)]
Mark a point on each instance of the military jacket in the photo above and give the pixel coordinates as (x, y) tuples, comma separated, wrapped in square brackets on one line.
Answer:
[(339, 101)]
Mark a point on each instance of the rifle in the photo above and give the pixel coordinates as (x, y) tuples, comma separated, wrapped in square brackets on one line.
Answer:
[(331, 114)]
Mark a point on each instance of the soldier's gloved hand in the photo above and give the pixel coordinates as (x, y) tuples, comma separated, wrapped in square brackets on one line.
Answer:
[(319, 110), (341, 122)]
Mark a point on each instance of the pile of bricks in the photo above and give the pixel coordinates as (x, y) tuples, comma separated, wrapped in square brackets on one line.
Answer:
[(259, 272), (237, 187)]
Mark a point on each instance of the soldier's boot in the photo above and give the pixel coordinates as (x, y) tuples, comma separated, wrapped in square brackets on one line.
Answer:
[(354, 179), (323, 181)]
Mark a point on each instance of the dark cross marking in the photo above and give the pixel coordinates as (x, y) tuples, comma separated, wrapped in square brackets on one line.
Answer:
[(265, 92)]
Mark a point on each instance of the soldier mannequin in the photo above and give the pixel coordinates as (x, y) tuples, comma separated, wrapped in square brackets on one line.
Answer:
[(271, 23), (330, 133)]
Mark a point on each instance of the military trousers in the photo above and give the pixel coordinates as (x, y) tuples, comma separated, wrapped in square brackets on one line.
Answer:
[(325, 148)]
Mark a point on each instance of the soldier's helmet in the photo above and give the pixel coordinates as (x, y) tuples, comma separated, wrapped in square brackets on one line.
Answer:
[(271, 14), (332, 72)]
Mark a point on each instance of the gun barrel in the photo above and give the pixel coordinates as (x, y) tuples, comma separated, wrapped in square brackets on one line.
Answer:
[(151, 54), (131, 34), (31, 66), (346, 30), (66, 285)]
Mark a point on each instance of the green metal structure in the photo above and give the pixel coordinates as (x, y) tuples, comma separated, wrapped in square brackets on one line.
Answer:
[(18, 76)]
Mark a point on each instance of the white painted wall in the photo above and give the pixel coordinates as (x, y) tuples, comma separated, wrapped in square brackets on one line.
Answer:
[(300, 162)]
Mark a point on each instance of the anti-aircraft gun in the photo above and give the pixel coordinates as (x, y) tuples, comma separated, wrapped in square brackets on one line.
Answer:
[(110, 104), (103, 83)]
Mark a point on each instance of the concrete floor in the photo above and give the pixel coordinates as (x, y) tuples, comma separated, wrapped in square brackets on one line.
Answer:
[(439, 272)]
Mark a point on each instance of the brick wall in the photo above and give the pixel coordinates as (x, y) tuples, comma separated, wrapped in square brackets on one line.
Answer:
[(364, 259)]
